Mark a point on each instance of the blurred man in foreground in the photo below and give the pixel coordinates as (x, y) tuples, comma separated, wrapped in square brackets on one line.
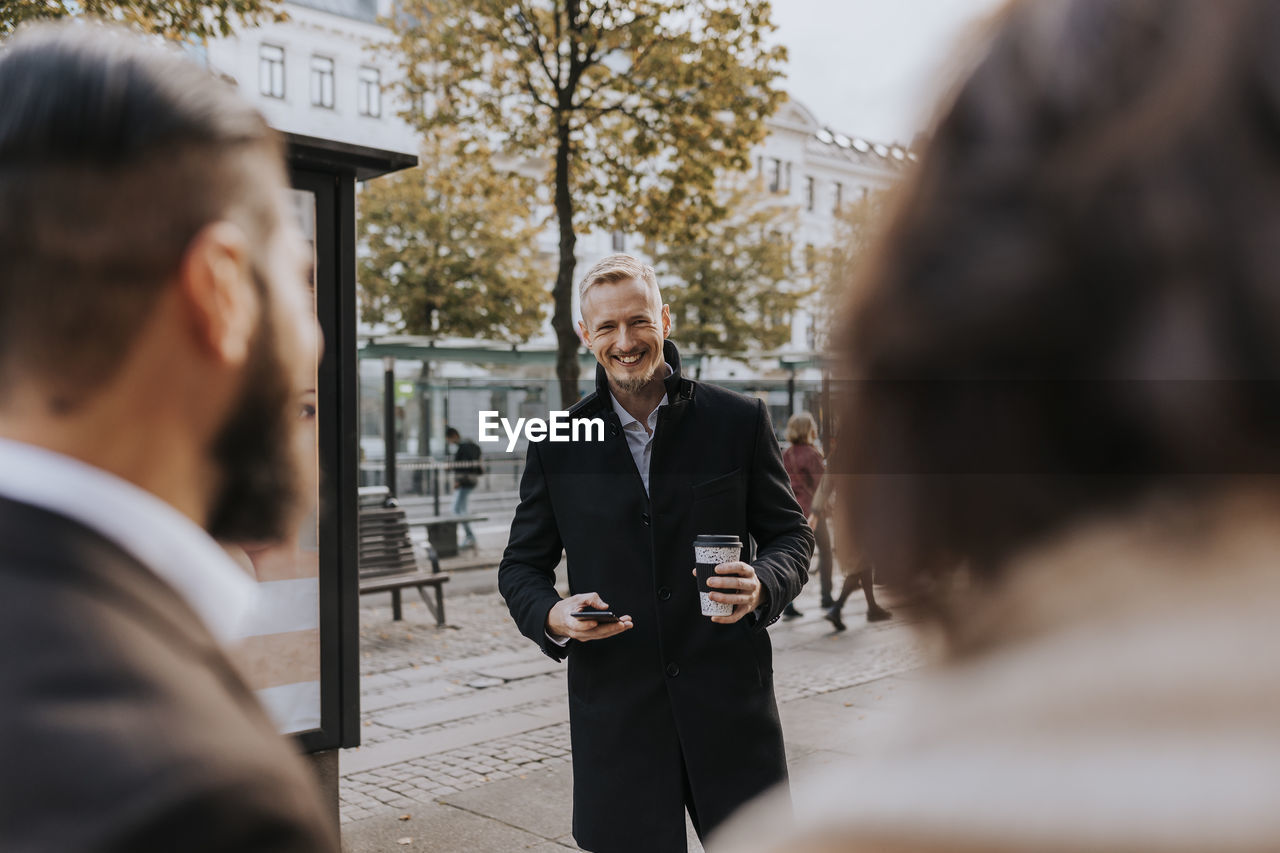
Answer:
[(152, 315), (1069, 354)]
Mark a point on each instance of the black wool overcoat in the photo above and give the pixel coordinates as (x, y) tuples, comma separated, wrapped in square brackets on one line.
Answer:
[(678, 702)]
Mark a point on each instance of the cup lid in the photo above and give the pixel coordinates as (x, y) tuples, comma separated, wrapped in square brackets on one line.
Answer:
[(716, 539)]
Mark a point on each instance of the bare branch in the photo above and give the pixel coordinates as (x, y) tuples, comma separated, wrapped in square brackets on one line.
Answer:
[(530, 27)]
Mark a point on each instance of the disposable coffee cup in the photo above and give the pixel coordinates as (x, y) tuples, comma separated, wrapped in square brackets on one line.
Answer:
[(710, 551)]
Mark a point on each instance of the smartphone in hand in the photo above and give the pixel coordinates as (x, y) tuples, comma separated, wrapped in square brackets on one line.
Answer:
[(601, 616)]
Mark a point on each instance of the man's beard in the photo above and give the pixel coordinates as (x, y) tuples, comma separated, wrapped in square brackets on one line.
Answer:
[(254, 452), (633, 384)]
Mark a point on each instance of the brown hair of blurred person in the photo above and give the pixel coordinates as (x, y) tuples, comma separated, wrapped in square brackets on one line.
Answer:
[(1064, 374), (1090, 233)]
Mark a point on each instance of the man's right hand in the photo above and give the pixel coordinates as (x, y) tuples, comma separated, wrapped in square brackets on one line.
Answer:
[(561, 624)]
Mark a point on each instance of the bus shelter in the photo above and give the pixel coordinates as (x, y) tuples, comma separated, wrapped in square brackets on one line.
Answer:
[(300, 651)]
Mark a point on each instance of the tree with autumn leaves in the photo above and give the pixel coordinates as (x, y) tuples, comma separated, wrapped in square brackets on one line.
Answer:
[(180, 20), (450, 247), (636, 107), (857, 227), (733, 283)]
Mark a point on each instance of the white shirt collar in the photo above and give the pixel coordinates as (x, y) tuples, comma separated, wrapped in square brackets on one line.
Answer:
[(156, 534), (626, 417)]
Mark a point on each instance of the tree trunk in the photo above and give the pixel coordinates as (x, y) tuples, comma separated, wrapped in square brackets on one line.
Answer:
[(567, 342)]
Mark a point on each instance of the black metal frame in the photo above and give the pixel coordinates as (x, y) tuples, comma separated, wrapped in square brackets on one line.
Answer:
[(329, 170)]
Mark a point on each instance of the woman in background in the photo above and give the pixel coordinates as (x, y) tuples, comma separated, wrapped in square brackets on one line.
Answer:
[(805, 467), (857, 572)]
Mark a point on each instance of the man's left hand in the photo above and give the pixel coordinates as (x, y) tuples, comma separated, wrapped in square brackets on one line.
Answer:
[(741, 588)]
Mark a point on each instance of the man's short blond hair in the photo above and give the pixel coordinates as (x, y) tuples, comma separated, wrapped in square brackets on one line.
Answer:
[(616, 268)]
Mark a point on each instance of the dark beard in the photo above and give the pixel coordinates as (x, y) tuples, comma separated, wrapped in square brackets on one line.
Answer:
[(260, 489)]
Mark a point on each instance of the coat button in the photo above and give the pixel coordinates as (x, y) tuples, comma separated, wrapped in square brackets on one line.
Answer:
[(673, 669), (664, 593), (644, 518)]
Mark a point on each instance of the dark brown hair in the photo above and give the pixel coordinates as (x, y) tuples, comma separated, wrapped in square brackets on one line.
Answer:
[(1076, 302), (114, 153)]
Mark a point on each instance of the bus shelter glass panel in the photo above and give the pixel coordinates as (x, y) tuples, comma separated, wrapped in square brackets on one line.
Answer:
[(280, 652)]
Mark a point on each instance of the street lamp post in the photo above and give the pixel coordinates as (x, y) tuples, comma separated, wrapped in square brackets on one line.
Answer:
[(791, 392), (389, 420)]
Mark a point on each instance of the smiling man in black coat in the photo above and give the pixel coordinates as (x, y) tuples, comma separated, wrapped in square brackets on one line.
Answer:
[(669, 709)]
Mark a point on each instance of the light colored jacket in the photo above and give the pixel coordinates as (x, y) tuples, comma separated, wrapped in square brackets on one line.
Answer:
[(1121, 692)]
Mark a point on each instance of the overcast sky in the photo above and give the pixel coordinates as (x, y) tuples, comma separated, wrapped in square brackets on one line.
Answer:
[(874, 68)]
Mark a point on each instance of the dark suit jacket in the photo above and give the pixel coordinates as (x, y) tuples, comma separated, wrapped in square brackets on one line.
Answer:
[(123, 725), (677, 694)]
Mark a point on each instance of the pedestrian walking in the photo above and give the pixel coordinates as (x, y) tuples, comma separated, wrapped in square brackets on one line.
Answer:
[(154, 313), (805, 468), (466, 476), (856, 571), (1066, 353), (669, 709)]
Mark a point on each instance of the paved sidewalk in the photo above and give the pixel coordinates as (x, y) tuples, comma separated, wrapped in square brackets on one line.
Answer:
[(466, 739)]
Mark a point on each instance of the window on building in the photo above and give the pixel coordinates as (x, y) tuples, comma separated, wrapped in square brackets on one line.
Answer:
[(809, 191), (322, 82), (271, 70), (369, 93), (787, 187), (839, 196), (810, 257), (619, 241), (775, 175)]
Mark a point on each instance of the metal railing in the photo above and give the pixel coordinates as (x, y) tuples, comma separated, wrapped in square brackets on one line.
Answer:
[(423, 476)]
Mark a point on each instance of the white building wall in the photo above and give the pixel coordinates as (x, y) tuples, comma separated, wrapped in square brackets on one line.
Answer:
[(347, 30), (802, 147), (313, 32)]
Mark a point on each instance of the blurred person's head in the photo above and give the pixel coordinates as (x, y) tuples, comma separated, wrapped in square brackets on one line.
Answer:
[(624, 321), (1074, 307), (802, 429), (154, 313), (452, 436)]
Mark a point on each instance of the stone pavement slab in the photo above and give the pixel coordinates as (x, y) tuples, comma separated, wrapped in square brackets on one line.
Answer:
[(438, 827), (541, 665), (812, 724), (409, 694), (540, 803), (476, 702), (891, 693), (442, 740)]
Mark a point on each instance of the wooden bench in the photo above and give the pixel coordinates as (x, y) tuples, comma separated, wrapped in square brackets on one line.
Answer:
[(388, 562)]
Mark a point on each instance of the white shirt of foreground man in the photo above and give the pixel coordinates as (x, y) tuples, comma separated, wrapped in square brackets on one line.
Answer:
[(1128, 709), (168, 543)]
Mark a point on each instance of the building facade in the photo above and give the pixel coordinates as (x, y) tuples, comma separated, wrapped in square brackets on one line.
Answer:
[(321, 73)]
